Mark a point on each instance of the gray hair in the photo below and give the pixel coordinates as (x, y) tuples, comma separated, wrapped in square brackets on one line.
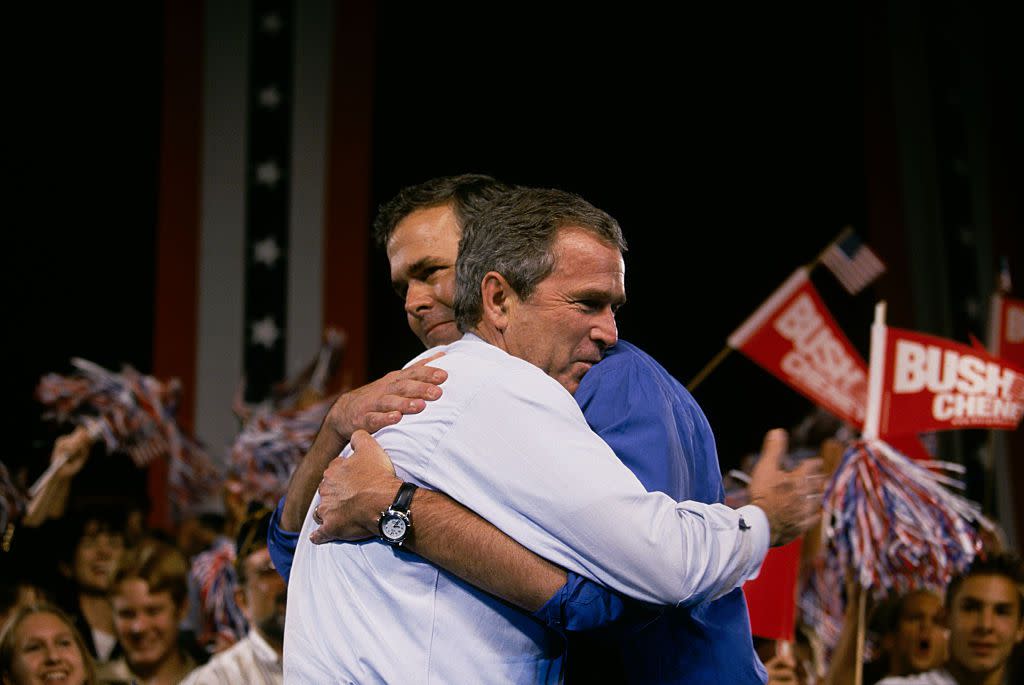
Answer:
[(514, 237)]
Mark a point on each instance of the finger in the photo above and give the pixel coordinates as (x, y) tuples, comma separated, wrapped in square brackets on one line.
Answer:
[(427, 374), (429, 359), (409, 389), (811, 468), (776, 442), (319, 537), (364, 444), (377, 420), (809, 522)]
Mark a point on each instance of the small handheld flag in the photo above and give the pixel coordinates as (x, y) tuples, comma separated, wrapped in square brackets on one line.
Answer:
[(853, 263)]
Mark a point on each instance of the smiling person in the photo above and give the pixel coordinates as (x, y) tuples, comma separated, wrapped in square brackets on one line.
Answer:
[(149, 599), (92, 551), (39, 644), (985, 618)]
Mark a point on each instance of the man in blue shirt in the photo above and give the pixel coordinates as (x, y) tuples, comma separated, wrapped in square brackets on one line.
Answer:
[(650, 421), (658, 431)]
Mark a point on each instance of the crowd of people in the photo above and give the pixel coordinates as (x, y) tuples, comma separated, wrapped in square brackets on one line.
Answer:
[(491, 529)]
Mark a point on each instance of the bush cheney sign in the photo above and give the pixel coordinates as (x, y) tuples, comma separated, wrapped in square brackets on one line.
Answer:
[(931, 383), (794, 337)]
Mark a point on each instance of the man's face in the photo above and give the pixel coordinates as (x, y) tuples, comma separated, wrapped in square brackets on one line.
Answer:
[(264, 595), (568, 321), (422, 252), (146, 623), (919, 641), (984, 623), (97, 555)]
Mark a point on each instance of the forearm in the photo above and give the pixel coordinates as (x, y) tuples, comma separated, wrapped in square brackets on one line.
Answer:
[(453, 537), (49, 502), (844, 658), (326, 446), (466, 545)]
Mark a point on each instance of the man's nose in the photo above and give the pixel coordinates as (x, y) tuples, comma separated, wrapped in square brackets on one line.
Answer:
[(418, 299), (605, 331), (985, 620)]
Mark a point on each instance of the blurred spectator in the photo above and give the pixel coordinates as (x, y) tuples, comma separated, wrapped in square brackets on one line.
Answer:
[(985, 617), (261, 593), (89, 548), (39, 644), (910, 632), (149, 597), (16, 592)]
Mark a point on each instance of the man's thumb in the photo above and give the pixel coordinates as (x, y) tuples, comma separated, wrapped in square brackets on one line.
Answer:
[(776, 442)]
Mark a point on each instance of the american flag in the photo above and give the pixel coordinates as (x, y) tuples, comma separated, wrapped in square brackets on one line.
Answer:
[(852, 262)]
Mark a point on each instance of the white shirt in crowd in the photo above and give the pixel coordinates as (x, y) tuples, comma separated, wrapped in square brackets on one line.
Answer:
[(939, 676), (250, 660)]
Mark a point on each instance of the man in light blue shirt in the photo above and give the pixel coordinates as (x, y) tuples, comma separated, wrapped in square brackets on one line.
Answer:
[(562, 327)]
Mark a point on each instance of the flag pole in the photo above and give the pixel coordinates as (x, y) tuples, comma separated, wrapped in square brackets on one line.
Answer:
[(858, 673), (876, 374), (843, 234), (709, 367), (724, 352)]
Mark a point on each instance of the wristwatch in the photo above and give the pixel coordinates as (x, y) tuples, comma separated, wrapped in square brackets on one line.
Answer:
[(395, 522)]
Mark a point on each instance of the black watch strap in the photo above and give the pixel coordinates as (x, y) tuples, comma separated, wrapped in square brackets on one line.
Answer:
[(404, 498)]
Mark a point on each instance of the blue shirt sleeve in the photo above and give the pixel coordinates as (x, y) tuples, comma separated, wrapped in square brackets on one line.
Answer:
[(580, 604), (281, 543)]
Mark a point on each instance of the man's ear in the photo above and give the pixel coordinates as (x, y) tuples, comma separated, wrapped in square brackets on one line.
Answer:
[(183, 610), (240, 600), (497, 297)]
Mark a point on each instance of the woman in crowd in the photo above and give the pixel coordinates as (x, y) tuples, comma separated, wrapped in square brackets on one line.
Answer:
[(39, 644)]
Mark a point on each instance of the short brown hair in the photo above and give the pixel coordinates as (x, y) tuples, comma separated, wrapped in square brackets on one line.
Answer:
[(162, 567)]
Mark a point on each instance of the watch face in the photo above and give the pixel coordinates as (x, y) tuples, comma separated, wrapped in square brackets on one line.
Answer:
[(393, 528)]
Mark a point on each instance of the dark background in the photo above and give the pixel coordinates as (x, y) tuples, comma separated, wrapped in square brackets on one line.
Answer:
[(731, 143)]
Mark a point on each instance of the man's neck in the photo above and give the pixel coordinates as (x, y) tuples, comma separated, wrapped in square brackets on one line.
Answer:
[(489, 335), (168, 672), (97, 611), (275, 644), (964, 677)]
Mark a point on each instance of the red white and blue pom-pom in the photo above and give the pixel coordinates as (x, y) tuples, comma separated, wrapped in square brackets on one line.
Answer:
[(895, 525), (270, 446), (13, 502), (133, 413), (213, 575)]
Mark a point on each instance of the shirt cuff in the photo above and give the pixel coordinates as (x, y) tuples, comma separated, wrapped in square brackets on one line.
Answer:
[(281, 543), (754, 522)]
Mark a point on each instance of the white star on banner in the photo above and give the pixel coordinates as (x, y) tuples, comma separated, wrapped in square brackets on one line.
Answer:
[(266, 251), (270, 22), (268, 174), (270, 97), (265, 332)]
